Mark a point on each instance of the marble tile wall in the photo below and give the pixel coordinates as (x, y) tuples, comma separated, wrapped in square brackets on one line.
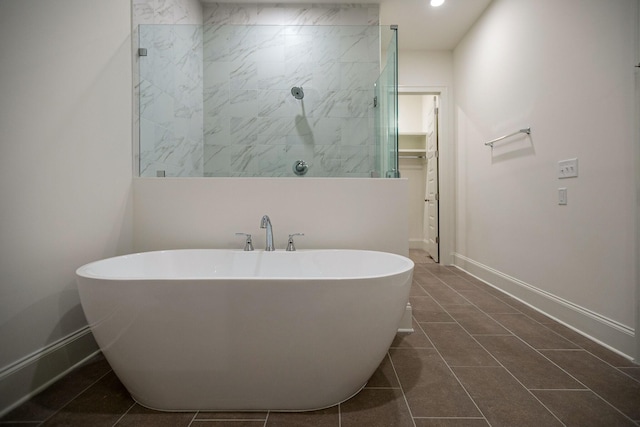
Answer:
[(254, 54), (241, 119), (169, 87)]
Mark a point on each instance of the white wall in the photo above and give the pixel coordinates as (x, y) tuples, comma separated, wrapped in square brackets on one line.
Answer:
[(65, 175), (332, 212), (566, 69), (425, 68), (410, 117)]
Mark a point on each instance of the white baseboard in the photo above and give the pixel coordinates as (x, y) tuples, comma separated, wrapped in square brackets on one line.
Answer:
[(417, 244), (33, 373), (611, 334)]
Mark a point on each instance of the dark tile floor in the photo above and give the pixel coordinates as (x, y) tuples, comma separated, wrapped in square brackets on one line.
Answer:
[(477, 358)]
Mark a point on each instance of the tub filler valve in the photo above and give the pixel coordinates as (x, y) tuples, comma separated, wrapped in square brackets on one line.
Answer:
[(248, 244), (290, 246)]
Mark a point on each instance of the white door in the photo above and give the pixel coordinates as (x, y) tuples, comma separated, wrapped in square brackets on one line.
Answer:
[(430, 225)]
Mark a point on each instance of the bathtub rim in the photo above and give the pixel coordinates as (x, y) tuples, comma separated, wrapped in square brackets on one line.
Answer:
[(82, 270)]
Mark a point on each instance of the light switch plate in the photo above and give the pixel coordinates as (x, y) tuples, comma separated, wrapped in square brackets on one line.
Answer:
[(562, 196), (568, 168)]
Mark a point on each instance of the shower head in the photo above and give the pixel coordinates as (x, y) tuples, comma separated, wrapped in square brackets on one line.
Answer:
[(297, 92)]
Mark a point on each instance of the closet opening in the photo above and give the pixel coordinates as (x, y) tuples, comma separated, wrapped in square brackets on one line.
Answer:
[(418, 152)]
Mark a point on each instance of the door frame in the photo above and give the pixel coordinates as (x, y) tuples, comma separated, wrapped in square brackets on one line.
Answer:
[(446, 168)]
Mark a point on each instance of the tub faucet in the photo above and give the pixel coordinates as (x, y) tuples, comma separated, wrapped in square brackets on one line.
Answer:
[(265, 222)]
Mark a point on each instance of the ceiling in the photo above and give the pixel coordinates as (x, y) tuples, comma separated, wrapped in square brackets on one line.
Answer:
[(420, 26)]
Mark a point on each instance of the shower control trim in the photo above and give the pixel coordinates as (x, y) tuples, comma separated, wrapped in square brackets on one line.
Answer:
[(300, 167)]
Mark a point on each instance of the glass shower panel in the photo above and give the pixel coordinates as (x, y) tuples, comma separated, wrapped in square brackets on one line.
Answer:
[(386, 117), (253, 101), (170, 100)]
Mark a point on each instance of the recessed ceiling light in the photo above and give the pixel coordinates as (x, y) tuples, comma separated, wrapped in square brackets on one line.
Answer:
[(436, 3)]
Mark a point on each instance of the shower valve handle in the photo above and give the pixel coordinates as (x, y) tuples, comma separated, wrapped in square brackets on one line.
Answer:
[(300, 167)]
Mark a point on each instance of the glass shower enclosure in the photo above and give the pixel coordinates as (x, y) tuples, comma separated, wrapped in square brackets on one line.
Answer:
[(386, 113), (266, 101)]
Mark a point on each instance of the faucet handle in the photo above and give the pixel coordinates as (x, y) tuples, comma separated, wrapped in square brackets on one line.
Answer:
[(248, 244), (290, 246)]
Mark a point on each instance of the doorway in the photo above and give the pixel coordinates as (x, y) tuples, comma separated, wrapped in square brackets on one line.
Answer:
[(418, 128)]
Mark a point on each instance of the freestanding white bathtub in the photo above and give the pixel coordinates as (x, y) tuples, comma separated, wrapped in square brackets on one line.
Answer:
[(232, 330)]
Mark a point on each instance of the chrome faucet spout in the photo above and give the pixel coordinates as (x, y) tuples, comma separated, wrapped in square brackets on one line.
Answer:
[(265, 222)]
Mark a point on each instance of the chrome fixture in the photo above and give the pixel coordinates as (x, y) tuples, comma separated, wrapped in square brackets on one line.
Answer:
[(392, 173), (290, 246), (525, 130), (297, 92), (265, 222), (300, 167), (248, 244)]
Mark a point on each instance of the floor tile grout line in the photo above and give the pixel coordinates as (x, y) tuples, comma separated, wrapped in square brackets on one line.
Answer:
[(580, 348), (499, 363), (586, 388), (559, 367), (266, 419), (595, 394), (514, 335), (208, 420), (509, 371), (456, 377), (404, 395), (339, 414), (621, 369), (193, 418), (507, 296), (540, 324), (76, 396), (539, 352), (512, 375), (449, 418), (123, 415), (501, 292)]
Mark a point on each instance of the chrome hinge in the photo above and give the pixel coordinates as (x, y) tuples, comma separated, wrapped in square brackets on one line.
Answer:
[(438, 196), (437, 239), (375, 101)]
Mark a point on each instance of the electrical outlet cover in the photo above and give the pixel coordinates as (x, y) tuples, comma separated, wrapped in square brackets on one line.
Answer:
[(568, 168)]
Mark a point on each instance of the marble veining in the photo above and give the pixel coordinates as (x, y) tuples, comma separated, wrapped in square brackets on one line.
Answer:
[(214, 97), (169, 87)]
